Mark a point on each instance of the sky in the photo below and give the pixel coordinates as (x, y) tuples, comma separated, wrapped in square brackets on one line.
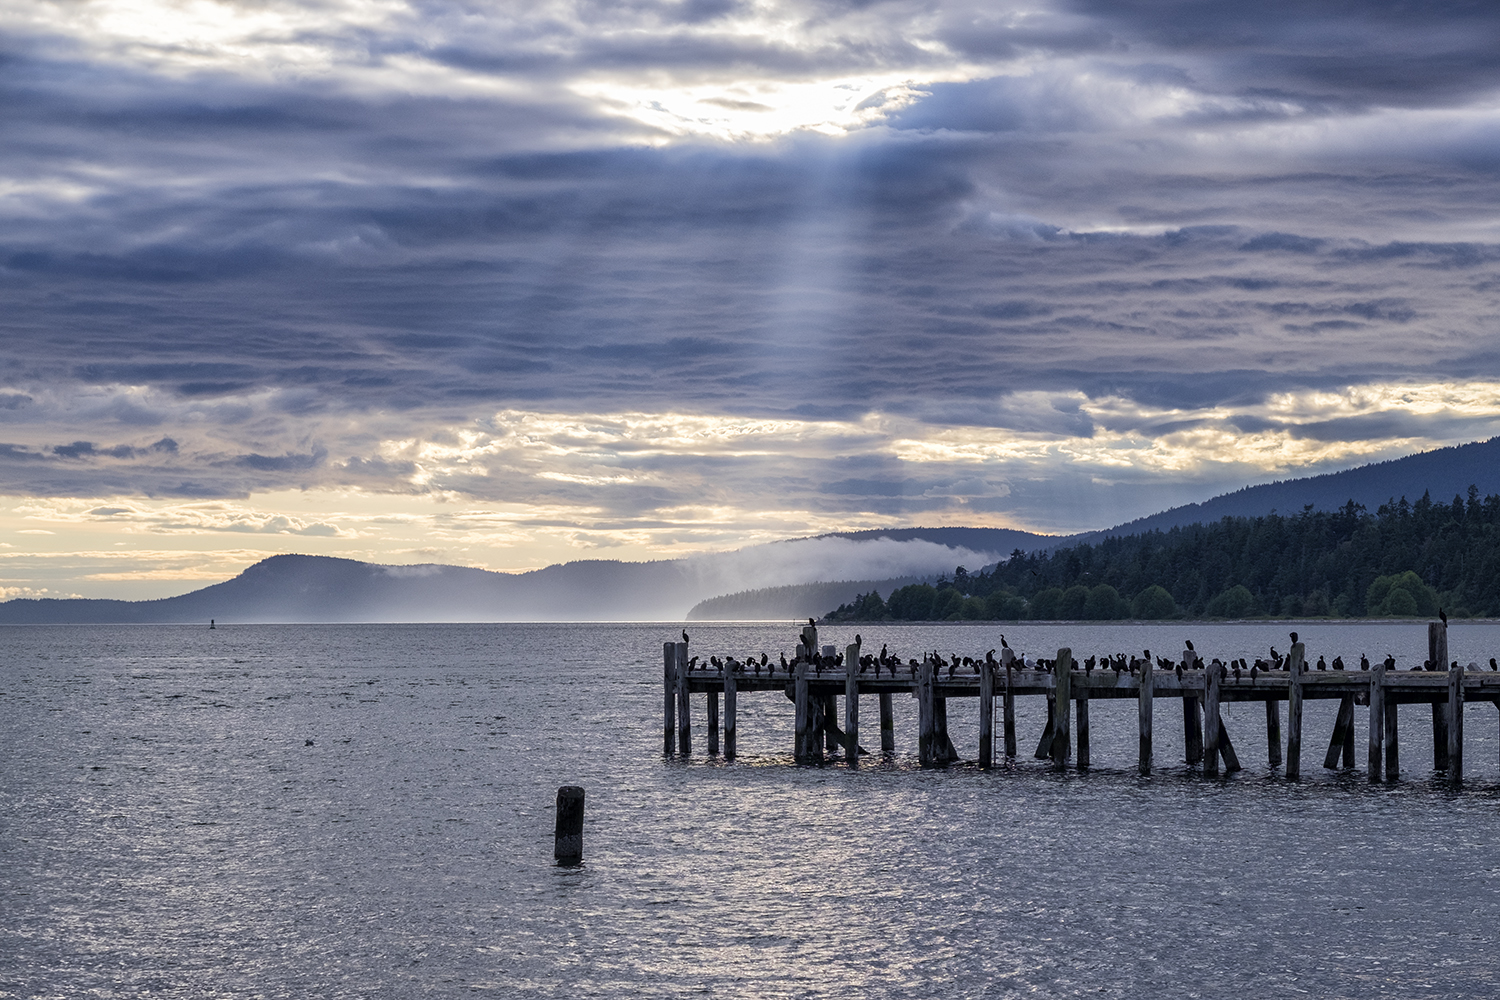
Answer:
[(506, 284)]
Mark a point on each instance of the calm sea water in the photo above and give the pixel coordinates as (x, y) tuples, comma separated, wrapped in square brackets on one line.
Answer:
[(366, 811)]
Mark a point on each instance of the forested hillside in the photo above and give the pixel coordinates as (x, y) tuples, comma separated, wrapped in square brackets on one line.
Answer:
[(1405, 559)]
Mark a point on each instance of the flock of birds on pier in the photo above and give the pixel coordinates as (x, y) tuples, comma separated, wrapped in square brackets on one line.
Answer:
[(1118, 662)]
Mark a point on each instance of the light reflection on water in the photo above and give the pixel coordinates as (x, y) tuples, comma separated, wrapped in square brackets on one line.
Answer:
[(167, 829)]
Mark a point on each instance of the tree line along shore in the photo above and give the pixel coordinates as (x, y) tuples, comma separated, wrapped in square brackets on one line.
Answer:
[(1406, 559)]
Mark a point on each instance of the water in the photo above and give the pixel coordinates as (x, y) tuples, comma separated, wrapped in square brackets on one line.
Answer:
[(167, 829)]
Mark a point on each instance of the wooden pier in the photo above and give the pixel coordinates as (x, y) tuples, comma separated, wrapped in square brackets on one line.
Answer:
[(819, 676)]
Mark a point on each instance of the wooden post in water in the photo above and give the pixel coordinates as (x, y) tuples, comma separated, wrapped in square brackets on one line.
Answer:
[(1273, 732), (1192, 715), (944, 742), (1294, 710), (1192, 726), (1145, 699), (669, 698), (1226, 748), (1083, 726), (1437, 658), (731, 706), (986, 715), (567, 830), (684, 717), (712, 697), (928, 753), (851, 703), (1211, 728), (1374, 758), (1062, 737), (1456, 723), (802, 742), (1008, 705), (1392, 747), (887, 724), (1349, 735), (1343, 723)]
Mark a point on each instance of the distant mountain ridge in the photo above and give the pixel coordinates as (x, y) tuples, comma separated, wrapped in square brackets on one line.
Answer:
[(299, 588), (1444, 472)]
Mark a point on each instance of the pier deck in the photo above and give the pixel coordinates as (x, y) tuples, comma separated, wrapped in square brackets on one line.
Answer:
[(819, 677)]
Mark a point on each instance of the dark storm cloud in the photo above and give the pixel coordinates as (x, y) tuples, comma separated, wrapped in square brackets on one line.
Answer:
[(279, 263)]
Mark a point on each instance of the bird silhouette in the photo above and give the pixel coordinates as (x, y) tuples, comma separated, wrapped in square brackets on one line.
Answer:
[(1444, 616), (1364, 662), (684, 635), (1189, 644), (1003, 643), (1493, 664), (1294, 637)]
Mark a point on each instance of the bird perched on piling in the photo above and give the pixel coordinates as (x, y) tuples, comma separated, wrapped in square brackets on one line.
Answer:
[(1254, 670), (1364, 662), (1003, 643), (1189, 644), (1322, 664), (1444, 616), (1493, 664), (1338, 663), (783, 662), (684, 635), (1294, 638)]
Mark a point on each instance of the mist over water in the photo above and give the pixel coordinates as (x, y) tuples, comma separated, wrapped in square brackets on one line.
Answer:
[(167, 828)]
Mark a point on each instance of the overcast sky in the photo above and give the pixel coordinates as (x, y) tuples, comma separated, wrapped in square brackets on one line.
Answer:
[(511, 284)]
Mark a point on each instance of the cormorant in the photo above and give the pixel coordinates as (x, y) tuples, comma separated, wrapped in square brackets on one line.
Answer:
[(1364, 662), (1189, 644), (1322, 664), (684, 635), (1444, 616), (1003, 643), (1493, 664), (1294, 637), (857, 640)]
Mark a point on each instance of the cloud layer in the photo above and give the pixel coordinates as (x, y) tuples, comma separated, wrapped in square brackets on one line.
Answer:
[(700, 273)]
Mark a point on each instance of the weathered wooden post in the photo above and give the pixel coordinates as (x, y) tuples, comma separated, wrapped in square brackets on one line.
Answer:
[(1456, 723), (1437, 658), (1145, 703), (802, 742), (684, 716), (1062, 738), (1343, 726), (1392, 744), (851, 703), (1082, 701), (731, 710), (1273, 732), (1294, 710), (1192, 721), (887, 724), (1008, 704), (1211, 681), (1377, 721), (712, 697), (986, 715), (1226, 745), (928, 752), (669, 697), (567, 835), (940, 720)]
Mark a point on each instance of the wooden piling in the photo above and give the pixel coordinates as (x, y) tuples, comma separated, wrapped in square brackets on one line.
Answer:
[(1044, 742), (684, 716), (1349, 735), (1273, 733), (1061, 722), (946, 750), (1437, 657), (887, 724), (1082, 701), (1145, 699), (1455, 723), (1226, 749), (802, 742), (1008, 704), (986, 715), (1343, 723), (731, 710), (1211, 728), (1392, 741), (851, 702), (828, 714), (712, 697), (567, 831), (1192, 726), (669, 698), (928, 754), (1295, 667), (1375, 759)]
